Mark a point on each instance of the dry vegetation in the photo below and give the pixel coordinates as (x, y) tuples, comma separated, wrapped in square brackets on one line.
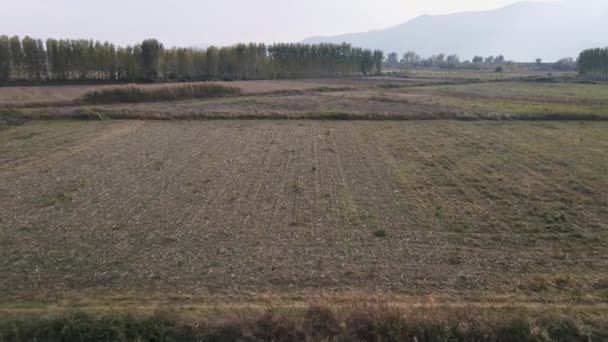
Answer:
[(44, 96), (449, 230), (314, 323), (476, 210), (138, 94), (375, 98)]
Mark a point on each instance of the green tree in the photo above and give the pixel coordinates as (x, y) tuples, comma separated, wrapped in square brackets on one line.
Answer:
[(378, 59), (392, 60), (151, 50), (17, 56), (594, 62), (410, 59), (5, 59)]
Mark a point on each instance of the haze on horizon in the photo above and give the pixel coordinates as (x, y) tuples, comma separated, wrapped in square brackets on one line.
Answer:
[(192, 22)]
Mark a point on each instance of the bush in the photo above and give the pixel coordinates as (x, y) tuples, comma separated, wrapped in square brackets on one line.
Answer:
[(135, 94)]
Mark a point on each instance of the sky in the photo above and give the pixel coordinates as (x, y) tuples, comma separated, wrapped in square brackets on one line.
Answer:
[(217, 22)]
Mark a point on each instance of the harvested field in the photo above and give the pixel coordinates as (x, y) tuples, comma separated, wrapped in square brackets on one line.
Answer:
[(587, 94), (373, 98), (44, 96), (483, 211), (343, 105), (491, 229)]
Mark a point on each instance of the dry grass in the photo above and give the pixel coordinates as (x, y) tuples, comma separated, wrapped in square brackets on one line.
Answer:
[(49, 96), (380, 98), (314, 323), (137, 94), (442, 230)]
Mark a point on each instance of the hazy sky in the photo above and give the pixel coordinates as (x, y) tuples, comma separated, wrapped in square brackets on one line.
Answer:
[(220, 22)]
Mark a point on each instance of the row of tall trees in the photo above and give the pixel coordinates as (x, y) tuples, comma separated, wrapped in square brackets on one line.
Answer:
[(61, 60), (412, 60), (594, 62)]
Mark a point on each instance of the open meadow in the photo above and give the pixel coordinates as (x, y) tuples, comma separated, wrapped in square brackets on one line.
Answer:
[(428, 196)]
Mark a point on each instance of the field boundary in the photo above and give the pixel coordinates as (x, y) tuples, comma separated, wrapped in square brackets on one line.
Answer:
[(363, 321), (87, 113)]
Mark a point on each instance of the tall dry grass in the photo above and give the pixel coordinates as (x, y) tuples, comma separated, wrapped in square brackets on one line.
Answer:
[(312, 324), (136, 94)]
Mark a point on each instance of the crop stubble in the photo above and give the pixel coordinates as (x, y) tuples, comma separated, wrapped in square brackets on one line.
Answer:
[(493, 209)]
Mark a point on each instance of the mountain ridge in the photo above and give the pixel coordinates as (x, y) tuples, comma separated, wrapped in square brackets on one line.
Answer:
[(522, 31)]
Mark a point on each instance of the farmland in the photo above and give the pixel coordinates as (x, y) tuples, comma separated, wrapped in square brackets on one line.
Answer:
[(497, 201), (374, 98)]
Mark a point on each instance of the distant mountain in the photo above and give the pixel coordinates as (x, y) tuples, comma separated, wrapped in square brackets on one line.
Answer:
[(522, 32)]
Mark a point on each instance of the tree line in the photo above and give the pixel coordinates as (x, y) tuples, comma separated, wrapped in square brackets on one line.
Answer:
[(30, 59), (594, 62), (411, 60), (499, 63)]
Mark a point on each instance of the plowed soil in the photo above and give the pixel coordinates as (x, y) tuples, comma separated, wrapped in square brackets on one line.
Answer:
[(411, 208)]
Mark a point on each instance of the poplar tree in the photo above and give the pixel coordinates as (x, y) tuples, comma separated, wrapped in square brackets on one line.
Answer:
[(5, 59), (32, 60), (17, 56), (151, 50)]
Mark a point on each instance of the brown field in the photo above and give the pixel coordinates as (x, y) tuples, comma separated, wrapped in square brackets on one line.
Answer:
[(43, 96), (373, 98), (486, 210), (492, 216)]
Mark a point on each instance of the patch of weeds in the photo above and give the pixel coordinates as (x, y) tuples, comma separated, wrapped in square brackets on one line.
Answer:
[(583, 189), (297, 188), (455, 260), (391, 86), (564, 282), (380, 233), (26, 136), (538, 285), (157, 165), (601, 284), (67, 195), (347, 245), (58, 199), (330, 116), (86, 113), (440, 213), (332, 89), (11, 118), (466, 283)]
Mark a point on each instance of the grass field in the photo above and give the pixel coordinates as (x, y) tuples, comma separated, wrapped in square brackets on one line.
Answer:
[(489, 230)]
